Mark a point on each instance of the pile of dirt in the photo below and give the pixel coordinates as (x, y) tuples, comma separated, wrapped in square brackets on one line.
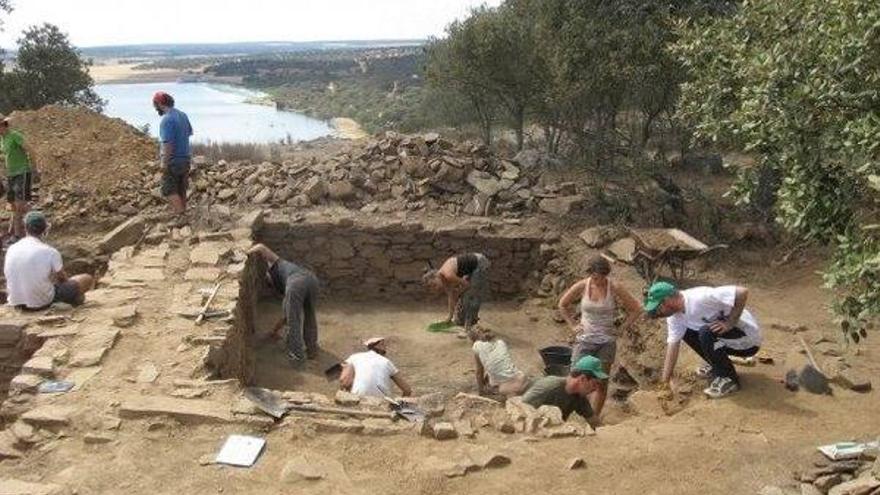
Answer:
[(87, 161)]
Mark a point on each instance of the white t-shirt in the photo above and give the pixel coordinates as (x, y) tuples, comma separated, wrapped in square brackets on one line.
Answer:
[(371, 371), (704, 305), (29, 266), (496, 360)]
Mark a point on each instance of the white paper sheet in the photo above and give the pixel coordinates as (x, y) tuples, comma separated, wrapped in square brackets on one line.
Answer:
[(241, 450)]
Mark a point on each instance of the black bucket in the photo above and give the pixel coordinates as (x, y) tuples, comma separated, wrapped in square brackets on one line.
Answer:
[(557, 355), (557, 369)]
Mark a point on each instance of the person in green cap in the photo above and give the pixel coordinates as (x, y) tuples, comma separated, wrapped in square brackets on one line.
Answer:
[(20, 173), (569, 393), (714, 323), (35, 276)]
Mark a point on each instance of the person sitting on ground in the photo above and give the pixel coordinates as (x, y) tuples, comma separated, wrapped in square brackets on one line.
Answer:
[(495, 369), (371, 373), (464, 279), (569, 393), (714, 323), (299, 286), (20, 173), (35, 276), (595, 334)]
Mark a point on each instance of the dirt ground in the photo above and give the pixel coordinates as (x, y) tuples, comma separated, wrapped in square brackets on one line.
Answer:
[(735, 445)]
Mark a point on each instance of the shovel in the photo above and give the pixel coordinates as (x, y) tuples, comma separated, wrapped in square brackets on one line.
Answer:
[(403, 410)]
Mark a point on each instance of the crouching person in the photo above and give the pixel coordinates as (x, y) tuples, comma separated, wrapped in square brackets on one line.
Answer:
[(371, 373), (495, 369), (570, 393), (35, 276)]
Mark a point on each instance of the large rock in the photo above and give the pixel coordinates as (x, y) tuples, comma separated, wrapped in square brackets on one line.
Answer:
[(16, 487), (49, 416), (484, 182), (11, 331), (315, 189), (126, 234), (601, 235), (341, 190), (445, 431), (189, 411), (562, 205), (859, 486)]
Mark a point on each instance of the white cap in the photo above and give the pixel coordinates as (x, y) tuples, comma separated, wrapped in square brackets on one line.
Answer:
[(373, 341)]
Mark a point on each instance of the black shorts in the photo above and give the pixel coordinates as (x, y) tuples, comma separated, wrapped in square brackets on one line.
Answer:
[(18, 188), (68, 292), (175, 181)]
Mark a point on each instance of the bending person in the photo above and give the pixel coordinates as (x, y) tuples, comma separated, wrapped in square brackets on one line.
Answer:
[(570, 393), (371, 373), (598, 299), (464, 279), (299, 286), (714, 323), (35, 276), (495, 368)]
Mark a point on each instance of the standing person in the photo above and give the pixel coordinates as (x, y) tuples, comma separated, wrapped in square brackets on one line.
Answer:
[(494, 365), (371, 373), (714, 323), (598, 298), (569, 393), (174, 133), (464, 279), (20, 173), (35, 276), (299, 287)]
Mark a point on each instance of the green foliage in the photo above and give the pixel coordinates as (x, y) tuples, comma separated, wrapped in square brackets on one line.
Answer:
[(798, 83), (48, 70)]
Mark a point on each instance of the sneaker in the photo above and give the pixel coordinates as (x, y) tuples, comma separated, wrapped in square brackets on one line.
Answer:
[(296, 362), (704, 371), (721, 387)]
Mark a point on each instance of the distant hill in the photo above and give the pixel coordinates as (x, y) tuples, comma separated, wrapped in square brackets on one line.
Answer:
[(154, 51)]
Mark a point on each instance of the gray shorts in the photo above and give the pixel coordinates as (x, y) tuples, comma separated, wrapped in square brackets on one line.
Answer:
[(605, 352)]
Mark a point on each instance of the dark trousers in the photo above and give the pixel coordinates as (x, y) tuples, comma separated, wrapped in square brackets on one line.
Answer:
[(300, 297), (705, 343)]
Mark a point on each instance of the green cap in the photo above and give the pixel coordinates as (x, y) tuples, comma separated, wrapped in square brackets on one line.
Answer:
[(658, 292), (592, 365), (35, 220)]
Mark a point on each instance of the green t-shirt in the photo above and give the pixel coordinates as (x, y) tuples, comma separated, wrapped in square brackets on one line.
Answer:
[(550, 391), (17, 162)]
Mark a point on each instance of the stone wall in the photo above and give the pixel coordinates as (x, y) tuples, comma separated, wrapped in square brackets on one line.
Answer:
[(16, 347), (372, 261), (236, 349)]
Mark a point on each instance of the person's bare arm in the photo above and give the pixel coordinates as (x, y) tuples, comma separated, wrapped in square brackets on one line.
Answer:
[(570, 296), (480, 372), (739, 304), (346, 378), (630, 305), (404, 387), (669, 363)]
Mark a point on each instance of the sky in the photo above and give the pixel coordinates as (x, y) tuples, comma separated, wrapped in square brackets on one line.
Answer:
[(120, 22)]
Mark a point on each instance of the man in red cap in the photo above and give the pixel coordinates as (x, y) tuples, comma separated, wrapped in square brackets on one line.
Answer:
[(174, 133)]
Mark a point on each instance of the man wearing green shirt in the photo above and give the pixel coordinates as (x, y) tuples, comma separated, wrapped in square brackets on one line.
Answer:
[(19, 174), (570, 393)]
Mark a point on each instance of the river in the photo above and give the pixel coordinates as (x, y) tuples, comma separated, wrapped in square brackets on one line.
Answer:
[(218, 112)]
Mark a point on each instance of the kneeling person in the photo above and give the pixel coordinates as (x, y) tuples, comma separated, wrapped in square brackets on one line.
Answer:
[(370, 373), (570, 393), (495, 365), (35, 276)]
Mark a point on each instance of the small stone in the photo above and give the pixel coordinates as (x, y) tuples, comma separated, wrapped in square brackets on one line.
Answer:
[(771, 490), (41, 365), (148, 373), (93, 438), (809, 489), (825, 483), (300, 468), (49, 415), (341, 190), (576, 463), (563, 431), (464, 428), (445, 431), (489, 459), (25, 383), (347, 399), (23, 432), (263, 196), (337, 426), (552, 415)]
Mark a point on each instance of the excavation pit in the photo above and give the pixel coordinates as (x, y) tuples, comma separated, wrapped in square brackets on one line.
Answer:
[(371, 286)]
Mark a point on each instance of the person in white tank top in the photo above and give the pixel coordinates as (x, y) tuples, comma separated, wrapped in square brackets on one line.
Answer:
[(594, 333)]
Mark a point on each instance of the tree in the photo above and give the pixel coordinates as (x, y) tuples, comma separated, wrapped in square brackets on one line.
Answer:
[(49, 70), (798, 84)]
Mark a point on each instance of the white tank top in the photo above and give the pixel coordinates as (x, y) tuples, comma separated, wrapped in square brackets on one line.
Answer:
[(597, 317)]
